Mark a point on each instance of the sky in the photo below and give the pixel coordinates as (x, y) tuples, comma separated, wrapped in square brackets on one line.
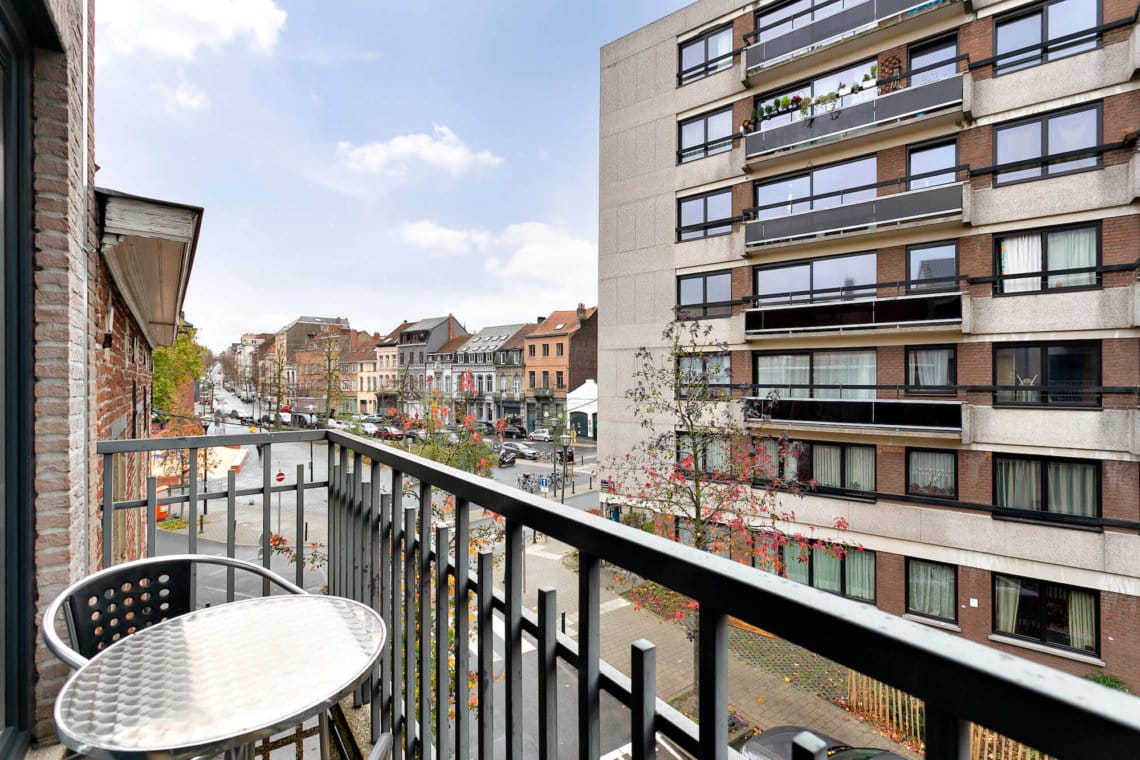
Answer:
[(379, 160)]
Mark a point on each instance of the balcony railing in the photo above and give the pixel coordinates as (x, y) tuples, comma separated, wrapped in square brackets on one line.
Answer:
[(927, 203), (912, 101), (876, 412), (824, 23), (542, 392), (831, 310), (386, 551)]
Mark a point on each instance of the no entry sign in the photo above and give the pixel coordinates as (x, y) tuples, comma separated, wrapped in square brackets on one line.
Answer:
[(280, 477)]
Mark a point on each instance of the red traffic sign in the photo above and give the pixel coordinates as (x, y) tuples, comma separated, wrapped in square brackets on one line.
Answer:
[(280, 477)]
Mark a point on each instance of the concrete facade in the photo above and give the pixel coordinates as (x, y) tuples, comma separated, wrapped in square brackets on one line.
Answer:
[(646, 251)]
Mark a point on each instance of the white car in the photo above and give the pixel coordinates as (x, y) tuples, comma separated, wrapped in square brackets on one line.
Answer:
[(541, 434)]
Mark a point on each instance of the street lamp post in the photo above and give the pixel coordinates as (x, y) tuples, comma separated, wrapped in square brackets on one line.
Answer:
[(564, 439)]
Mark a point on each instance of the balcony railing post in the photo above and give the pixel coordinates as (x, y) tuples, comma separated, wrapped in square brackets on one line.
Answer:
[(108, 508), (395, 628), (947, 736), (231, 529), (355, 534), (410, 542), (486, 644), (192, 515), (423, 555), (373, 584), (298, 525), (442, 679), (547, 673), (713, 685), (152, 514), (462, 645), (266, 506), (513, 638), (589, 734), (387, 551), (643, 693)]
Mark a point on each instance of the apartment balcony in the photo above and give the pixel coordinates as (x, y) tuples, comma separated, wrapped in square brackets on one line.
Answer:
[(938, 419), (939, 206), (786, 52), (916, 106), (913, 312), (541, 393), (385, 549)]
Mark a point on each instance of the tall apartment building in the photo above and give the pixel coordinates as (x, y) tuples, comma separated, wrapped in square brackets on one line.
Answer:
[(915, 226)]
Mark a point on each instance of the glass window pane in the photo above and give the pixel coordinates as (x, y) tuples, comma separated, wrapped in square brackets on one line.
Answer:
[(935, 263), (720, 44), (796, 563), (827, 465), (932, 158), (837, 179), (692, 54), (787, 375), (929, 57), (777, 282), (1016, 34), (785, 192), (692, 134), (1017, 483), (930, 367), (1020, 255), (1072, 488), (843, 277), (692, 212), (1072, 131), (1073, 369), (768, 22), (859, 574), (931, 589), (842, 369), (720, 128), (859, 468), (825, 570), (1016, 144), (771, 120), (1068, 17), (1071, 249), (719, 206), (692, 291), (931, 473), (719, 287), (1018, 366)]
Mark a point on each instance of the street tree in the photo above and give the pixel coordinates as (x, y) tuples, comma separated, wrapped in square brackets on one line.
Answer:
[(173, 367), (329, 345)]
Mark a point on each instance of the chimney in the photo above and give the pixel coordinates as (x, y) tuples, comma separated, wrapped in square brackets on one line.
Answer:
[(581, 312), (539, 319), (450, 327)]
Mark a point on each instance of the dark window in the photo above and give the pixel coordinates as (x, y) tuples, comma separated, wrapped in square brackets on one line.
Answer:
[(558, 380), (1066, 370), (832, 467), (531, 379), (705, 215), (932, 266), (545, 379), (1045, 612), (1045, 136), (1032, 261), (546, 349), (780, 107), (530, 350), (704, 376), (932, 164), (1060, 486), (1038, 28), (559, 349), (931, 472), (932, 589), (704, 295), (707, 452), (823, 187), (931, 369), (850, 573), (819, 374), (837, 277), (707, 54), (933, 60), (705, 135)]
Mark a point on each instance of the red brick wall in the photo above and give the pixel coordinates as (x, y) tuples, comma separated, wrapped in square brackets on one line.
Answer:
[(1120, 361), (889, 370), (891, 165), (976, 259), (976, 40), (1120, 244), (741, 371), (975, 476), (975, 149), (890, 266), (1120, 484), (890, 582), (975, 367), (1120, 114), (742, 25), (742, 198), (742, 286), (890, 469)]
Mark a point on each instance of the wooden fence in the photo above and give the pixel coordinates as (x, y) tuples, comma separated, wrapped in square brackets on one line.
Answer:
[(900, 716)]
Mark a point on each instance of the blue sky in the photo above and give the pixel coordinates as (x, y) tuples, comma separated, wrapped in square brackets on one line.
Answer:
[(370, 159)]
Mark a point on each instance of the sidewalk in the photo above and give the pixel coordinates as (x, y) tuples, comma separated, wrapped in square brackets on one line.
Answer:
[(762, 698)]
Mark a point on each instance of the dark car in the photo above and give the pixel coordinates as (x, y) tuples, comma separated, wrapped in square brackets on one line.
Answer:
[(521, 449), (776, 744), (514, 431)]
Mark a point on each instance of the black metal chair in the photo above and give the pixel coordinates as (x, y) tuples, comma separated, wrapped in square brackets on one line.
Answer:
[(115, 602)]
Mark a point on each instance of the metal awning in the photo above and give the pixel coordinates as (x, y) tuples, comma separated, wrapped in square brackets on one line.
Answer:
[(149, 248)]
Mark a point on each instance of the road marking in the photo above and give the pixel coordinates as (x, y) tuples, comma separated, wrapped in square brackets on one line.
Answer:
[(538, 551), (613, 604)]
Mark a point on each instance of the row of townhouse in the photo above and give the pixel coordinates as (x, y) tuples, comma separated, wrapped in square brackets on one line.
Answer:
[(520, 372), (915, 226)]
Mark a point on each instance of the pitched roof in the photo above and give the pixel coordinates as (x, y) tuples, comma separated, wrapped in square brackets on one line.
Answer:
[(492, 338), (516, 340), (452, 345), (393, 337), (426, 324), (562, 322)]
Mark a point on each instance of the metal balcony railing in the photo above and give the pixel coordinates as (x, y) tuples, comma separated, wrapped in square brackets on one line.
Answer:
[(385, 551)]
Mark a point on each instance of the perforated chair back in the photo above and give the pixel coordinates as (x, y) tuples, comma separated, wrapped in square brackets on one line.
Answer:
[(127, 599)]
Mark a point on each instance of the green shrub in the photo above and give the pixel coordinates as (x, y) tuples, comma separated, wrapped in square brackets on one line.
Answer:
[(1109, 680)]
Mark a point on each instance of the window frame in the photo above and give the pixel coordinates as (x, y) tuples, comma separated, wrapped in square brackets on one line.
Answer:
[(559, 349), (799, 446), (907, 477), (1000, 277), (810, 353), (685, 310), (951, 389), (707, 225), (910, 274), (937, 142), (1043, 120), (1041, 641), (1042, 56), (810, 264), (810, 173), (716, 391), (545, 350), (706, 147), (906, 591), (707, 66), (809, 84), (930, 43), (1043, 346), (843, 592), (1043, 485)]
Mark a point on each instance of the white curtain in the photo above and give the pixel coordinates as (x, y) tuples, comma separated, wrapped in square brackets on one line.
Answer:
[(1018, 483), (1072, 488), (932, 472), (844, 368), (1082, 620), (1007, 596), (780, 372), (825, 570), (826, 465), (930, 589), (860, 468), (860, 568), (930, 367), (793, 567), (1072, 249), (716, 455), (1020, 254)]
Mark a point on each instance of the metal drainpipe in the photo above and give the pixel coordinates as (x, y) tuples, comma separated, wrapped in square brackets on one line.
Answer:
[(87, 252)]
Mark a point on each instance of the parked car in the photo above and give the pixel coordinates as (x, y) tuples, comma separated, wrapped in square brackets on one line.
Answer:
[(541, 434), (416, 434), (376, 419), (367, 428), (523, 450), (389, 433), (514, 431), (776, 744), (335, 424)]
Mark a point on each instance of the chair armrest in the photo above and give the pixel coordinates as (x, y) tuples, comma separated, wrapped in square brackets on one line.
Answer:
[(248, 567), (382, 749), (52, 639)]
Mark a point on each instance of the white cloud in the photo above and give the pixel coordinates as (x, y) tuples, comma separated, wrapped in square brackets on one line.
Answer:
[(177, 29), (439, 240), (181, 97), (396, 157)]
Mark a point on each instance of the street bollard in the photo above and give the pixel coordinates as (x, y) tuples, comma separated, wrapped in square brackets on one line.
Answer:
[(306, 530), (591, 481), (564, 621), (201, 523)]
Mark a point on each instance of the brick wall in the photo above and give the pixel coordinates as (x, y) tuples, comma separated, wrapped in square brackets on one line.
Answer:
[(890, 266), (1120, 365), (889, 370), (1119, 114), (1120, 484), (975, 476), (890, 582), (741, 286)]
